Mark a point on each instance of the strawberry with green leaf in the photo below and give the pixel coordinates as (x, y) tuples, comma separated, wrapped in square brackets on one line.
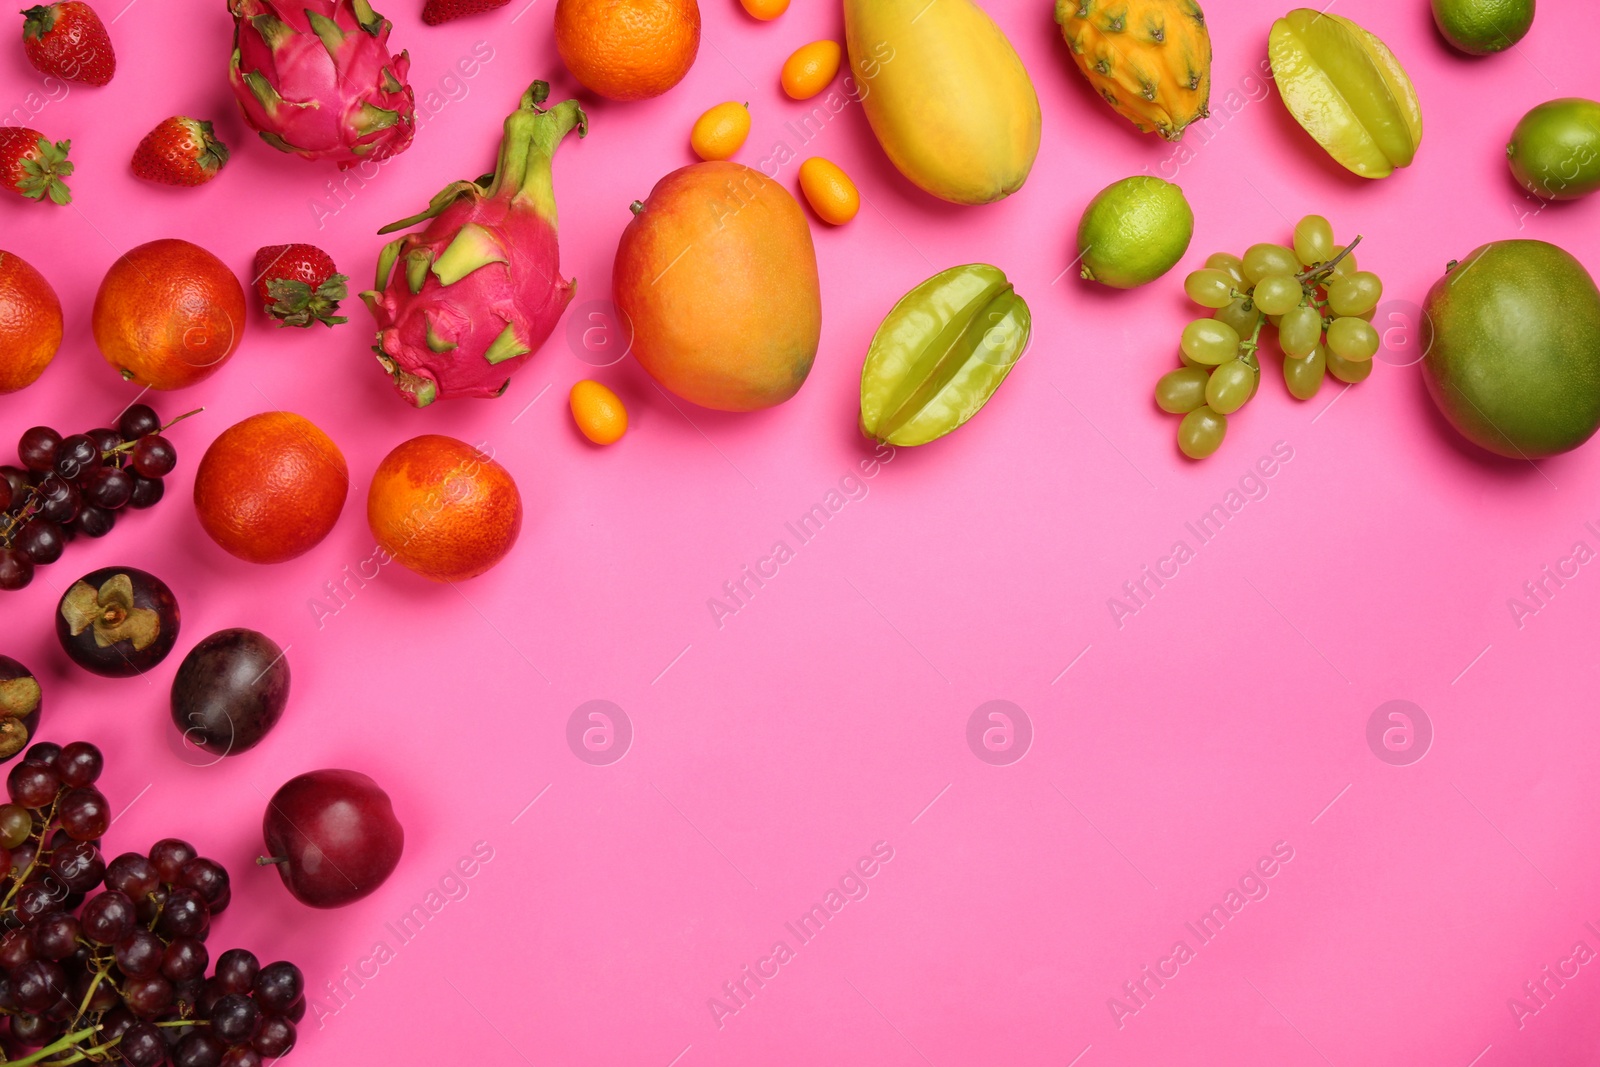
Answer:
[(68, 40), (33, 167), (180, 151), (298, 285)]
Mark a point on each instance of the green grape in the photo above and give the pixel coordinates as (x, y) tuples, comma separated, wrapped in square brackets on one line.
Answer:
[(1230, 387), (1242, 315), (1347, 265), (1353, 339), (1262, 260), (1201, 432), (1304, 376), (1229, 264), (1313, 240), (1210, 342), (1277, 293), (1183, 357), (1181, 391), (1299, 332), (1354, 294), (1210, 288), (1347, 371)]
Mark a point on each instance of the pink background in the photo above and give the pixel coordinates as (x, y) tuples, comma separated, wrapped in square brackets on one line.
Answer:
[(830, 713)]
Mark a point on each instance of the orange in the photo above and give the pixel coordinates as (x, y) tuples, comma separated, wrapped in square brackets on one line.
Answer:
[(168, 314), (598, 412), (30, 323), (443, 508), (765, 10), (717, 277), (628, 49), (271, 487)]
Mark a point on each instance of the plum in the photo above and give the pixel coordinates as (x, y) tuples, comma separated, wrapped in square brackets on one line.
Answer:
[(118, 621), (230, 691), (20, 705), (333, 836)]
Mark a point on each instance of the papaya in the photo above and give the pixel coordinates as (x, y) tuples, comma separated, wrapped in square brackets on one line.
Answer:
[(946, 94)]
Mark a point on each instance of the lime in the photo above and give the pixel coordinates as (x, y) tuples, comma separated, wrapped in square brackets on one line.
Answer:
[(1482, 27), (1555, 149), (1134, 231), (1511, 337)]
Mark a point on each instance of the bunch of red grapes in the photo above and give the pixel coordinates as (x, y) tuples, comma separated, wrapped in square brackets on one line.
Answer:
[(76, 485), (120, 976)]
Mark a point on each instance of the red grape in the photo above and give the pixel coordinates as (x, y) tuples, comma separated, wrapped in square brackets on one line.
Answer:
[(41, 540), (16, 570), (85, 813), (37, 448), (169, 855), (137, 421), (80, 763), (154, 456), (94, 521), (108, 487), (76, 456)]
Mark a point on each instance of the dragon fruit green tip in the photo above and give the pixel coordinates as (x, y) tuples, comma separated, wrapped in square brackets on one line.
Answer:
[(469, 298), (315, 78)]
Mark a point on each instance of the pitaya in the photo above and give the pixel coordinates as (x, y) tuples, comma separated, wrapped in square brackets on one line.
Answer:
[(315, 78), (479, 289)]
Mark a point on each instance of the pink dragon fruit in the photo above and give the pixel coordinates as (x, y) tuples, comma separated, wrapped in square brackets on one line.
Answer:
[(479, 288), (315, 78)]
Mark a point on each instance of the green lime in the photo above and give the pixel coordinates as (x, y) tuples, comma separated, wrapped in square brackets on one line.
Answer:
[(1555, 149), (1511, 341), (1134, 232), (1481, 27)]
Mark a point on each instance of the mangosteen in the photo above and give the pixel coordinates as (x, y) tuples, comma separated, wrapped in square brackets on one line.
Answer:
[(118, 621), (230, 691), (20, 705)]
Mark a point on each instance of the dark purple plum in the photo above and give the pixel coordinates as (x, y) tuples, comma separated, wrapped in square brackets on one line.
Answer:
[(230, 691)]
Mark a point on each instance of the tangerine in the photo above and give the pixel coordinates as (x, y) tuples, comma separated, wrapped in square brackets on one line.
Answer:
[(628, 49), (30, 323)]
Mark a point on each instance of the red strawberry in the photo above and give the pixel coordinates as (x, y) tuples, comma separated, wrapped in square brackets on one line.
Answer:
[(437, 11), (32, 167), (299, 285), (69, 40), (180, 151)]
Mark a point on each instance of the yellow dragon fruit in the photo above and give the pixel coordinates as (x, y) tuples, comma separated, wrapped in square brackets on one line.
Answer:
[(315, 78), (1150, 59)]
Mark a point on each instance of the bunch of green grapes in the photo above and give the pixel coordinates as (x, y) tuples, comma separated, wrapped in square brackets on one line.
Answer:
[(1312, 294)]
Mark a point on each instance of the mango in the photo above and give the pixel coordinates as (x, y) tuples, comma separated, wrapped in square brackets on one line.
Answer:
[(716, 277), (946, 95)]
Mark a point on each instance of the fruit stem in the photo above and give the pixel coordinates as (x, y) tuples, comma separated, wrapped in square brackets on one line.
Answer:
[(1249, 347), (127, 446), (1326, 269), (83, 1005), (532, 133), (44, 835), (70, 1041), (261, 861)]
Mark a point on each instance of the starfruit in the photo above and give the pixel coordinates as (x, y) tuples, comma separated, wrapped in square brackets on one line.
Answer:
[(1347, 89), (941, 353)]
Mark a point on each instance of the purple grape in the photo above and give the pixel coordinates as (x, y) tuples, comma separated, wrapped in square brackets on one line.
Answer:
[(37, 448)]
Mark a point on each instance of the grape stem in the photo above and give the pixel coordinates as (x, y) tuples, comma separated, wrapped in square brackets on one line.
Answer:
[(128, 445), (1317, 275), (70, 1041), (44, 835), (83, 1005)]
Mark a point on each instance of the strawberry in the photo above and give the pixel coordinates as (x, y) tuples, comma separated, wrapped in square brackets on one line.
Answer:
[(32, 167), (299, 285), (180, 151), (69, 40), (437, 11)]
